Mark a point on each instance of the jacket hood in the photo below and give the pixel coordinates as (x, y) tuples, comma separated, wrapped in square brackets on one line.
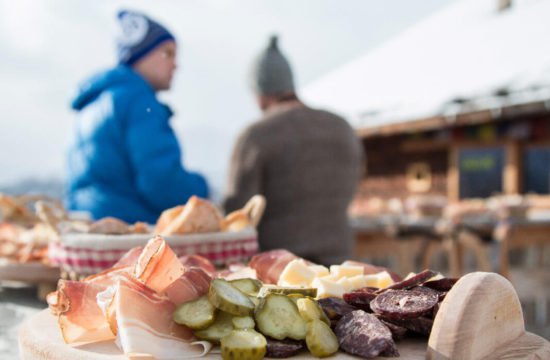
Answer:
[(91, 88)]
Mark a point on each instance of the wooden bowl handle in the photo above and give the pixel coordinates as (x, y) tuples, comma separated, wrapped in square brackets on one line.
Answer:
[(254, 208)]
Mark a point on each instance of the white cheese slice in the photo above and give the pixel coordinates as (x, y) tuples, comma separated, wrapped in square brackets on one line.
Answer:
[(296, 273), (341, 271), (319, 270), (327, 288)]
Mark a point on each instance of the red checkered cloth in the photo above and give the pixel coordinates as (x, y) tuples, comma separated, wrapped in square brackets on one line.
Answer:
[(88, 254)]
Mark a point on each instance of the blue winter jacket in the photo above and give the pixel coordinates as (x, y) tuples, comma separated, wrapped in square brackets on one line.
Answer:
[(125, 160)]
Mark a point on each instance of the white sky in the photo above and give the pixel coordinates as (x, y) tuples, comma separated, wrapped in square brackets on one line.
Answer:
[(47, 47)]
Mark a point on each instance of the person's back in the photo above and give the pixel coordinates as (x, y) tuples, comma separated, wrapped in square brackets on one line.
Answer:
[(125, 160), (306, 163)]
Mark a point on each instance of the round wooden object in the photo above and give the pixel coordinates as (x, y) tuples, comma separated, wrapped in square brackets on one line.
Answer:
[(481, 318)]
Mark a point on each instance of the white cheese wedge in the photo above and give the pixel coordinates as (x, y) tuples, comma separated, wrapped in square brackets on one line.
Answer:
[(327, 288), (384, 279), (346, 284), (296, 273), (379, 280), (357, 282), (341, 271), (319, 270)]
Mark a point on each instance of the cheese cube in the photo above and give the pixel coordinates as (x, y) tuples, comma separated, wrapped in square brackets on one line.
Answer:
[(346, 284), (341, 271), (319, 270), (384, 279), (357, 282), (371, 280), (296, 273), (327, 288)]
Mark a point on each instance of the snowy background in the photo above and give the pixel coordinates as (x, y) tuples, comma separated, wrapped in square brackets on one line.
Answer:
[(48, 46)]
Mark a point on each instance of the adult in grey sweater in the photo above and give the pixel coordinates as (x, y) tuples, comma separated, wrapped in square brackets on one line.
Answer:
[(306, 163)]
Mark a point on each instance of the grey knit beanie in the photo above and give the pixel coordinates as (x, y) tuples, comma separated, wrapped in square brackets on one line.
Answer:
[(271, 73)]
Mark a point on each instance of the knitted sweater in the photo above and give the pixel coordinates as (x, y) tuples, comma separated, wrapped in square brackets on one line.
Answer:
[(307, 164)]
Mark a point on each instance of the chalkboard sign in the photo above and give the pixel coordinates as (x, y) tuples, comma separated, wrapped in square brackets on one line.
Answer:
[(536, 170), (480, 171)]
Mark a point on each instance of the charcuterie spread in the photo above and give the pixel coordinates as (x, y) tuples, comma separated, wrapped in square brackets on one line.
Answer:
[(278, 305)]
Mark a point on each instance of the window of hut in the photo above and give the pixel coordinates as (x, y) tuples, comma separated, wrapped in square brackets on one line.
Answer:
[(536, 170), (419, 177), (480, 171)]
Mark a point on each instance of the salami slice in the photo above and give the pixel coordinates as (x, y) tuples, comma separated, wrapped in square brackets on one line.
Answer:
[(443, 285), (403, 304), (421, 325), (411, 282), (361, 298), (397, 332), (335, 308), (362, 334), (283, 348)]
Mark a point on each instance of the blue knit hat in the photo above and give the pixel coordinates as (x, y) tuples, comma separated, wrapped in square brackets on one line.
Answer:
[(138, 35)]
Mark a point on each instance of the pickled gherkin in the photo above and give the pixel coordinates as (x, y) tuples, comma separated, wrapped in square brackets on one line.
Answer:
[(228, 298), (286, 290), (243, 322), (320, 339), (222, 326), (278, 317), (197, 314), (247, 286), (310, 310), (243, 345)]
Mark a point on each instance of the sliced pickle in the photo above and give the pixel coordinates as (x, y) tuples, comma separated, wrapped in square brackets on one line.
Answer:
[(221, 326), (278, 317), (320, 339), (310, 310), (247, 286), (287, 290), (243, 322), (197, 314), (243, 345), (228, 298)]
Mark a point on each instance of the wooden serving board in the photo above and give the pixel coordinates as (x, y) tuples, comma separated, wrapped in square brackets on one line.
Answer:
[(480, 318)]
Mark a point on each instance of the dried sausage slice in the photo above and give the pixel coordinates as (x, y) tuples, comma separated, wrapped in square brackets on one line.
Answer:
[(411, 282), (403, 304), (421, 325), (335, 308), (444, 284), (283, 348), (362, 334), (361, 298)]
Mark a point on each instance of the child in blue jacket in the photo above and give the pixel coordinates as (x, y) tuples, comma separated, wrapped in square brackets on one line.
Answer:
[(125, 160)]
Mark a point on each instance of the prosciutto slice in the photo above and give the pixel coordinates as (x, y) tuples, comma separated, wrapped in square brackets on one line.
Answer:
[(158, 266), (199, 262), (130, 258), (145, 325), (79, 317), (193, 284), (270, 264)]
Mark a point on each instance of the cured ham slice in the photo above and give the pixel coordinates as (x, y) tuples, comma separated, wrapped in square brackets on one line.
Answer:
[(193, 284), (198, 261), (369, 269), (80, 318), (158, 266), (130, 258), (270, 264), (145, 325)]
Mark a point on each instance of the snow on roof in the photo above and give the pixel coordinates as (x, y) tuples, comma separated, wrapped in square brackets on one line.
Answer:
[(467, 51)]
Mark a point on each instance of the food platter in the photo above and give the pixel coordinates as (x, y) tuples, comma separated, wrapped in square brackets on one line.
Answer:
[(480, 318), (40, 338)]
